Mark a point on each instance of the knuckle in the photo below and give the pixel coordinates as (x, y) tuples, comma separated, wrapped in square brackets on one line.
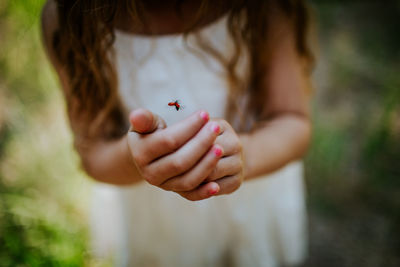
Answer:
[(237, 146), (214, 173), (206, 141), (237, 182), (188, 185), (177, 166), (170, 142), (215, 153)]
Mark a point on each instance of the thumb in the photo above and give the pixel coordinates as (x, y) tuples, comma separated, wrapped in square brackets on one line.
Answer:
[(144, 121)]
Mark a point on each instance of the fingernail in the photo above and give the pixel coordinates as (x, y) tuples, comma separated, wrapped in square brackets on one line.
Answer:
[(215, 128), (204, 115), (217, 151), (213, 191)]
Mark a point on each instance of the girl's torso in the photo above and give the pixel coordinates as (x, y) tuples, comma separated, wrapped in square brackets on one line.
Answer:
[(154, 71), (258, 225)]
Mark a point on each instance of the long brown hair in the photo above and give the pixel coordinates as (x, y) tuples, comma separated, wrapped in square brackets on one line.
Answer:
[(84, 39)]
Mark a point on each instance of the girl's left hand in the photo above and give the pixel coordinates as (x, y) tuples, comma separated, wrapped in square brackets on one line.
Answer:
[(229, 172)]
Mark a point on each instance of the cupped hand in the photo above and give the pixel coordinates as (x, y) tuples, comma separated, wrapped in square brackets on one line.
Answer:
[(176, 158), (229, 171)]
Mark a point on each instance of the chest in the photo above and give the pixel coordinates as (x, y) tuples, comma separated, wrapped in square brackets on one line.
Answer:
[(153, 72)]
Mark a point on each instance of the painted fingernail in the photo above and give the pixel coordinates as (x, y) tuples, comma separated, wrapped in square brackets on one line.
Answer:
[(215, 128), (217, 151), (213, 191), (204, 115)]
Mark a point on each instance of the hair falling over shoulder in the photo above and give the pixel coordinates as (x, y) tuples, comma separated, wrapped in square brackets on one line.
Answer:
[(84, 39)]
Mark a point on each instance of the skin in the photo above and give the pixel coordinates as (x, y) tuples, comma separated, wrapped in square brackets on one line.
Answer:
[(200, 157)]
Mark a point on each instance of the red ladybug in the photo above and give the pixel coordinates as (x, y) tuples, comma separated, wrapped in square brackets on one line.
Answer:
[(176, 104)]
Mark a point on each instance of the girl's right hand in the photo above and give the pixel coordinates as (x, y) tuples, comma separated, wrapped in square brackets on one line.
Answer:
[(176, 158)]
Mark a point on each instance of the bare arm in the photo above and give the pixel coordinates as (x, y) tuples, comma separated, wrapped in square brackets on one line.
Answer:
[(280, 141), (110, 162), (106, 161), (285, 134), (183, 153)]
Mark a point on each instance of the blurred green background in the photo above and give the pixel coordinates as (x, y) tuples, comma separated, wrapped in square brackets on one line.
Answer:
[(352, 168)]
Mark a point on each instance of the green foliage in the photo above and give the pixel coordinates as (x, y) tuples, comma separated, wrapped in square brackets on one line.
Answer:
[(353, 166), (43, 199)]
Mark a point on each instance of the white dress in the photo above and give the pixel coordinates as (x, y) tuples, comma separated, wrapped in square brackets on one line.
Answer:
[(263, 223)]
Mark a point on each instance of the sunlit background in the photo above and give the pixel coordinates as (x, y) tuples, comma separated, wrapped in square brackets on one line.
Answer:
[(352, 168)]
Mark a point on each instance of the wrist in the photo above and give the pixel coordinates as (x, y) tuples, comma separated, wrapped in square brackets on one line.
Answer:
[(245, 142), (130, 165)]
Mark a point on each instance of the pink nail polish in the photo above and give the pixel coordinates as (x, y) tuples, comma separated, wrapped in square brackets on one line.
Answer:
[(204, 115), (213, 191), (218, 151), (215, 128)]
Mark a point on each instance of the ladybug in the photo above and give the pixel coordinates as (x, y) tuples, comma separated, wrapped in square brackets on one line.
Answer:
[(176, 104)]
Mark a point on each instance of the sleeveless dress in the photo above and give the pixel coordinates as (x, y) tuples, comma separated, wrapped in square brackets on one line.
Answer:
[(263, 223)]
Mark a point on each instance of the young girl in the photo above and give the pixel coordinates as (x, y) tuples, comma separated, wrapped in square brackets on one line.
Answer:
[(215, 177)]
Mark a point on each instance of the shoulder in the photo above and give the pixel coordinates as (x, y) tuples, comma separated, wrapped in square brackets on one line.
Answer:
[(49, 25), (287, 80)]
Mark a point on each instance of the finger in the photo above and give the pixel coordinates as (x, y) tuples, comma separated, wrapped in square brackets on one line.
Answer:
[(230, 142), (226, 166), (171, 138), (144, 121), (202, 192), (194, 177), (229, 184), (223, 124), (184, 158)]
